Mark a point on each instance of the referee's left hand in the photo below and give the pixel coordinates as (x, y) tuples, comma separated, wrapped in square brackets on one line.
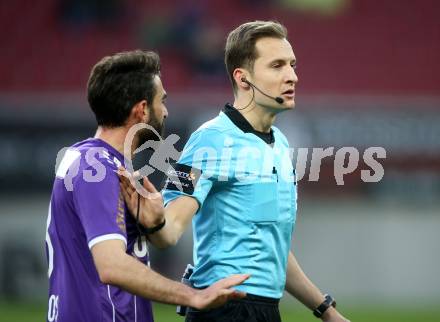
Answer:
[(332, 315)]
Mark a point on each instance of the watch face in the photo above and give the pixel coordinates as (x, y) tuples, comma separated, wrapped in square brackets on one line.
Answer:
[(329, 301)]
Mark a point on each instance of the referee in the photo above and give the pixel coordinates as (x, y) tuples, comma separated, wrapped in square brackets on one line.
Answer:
[(236, 182)]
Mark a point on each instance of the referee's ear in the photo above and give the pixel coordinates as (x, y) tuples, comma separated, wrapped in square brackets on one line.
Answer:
[(240, 78)]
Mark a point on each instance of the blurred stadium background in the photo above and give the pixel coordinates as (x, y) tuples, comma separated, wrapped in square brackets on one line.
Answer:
[(369, 76)]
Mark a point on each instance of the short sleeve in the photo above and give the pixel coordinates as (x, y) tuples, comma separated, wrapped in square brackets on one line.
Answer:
[(101, 208), (200, 160)]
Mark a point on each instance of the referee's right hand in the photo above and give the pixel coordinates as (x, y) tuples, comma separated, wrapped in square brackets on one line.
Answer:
[(219, 293)]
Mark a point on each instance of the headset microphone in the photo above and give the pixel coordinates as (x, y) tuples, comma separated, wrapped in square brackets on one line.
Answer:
[(277, 99)]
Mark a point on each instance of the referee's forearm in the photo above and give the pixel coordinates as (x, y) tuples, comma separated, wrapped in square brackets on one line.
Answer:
[(178, 215), (300, 286)]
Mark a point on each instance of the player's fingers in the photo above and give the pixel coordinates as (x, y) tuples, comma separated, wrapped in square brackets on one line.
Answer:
[(136, 175), (124, 181), (152, 191), (122, 172), (124, 176), (233, 280), (225, 293), (133, 178), (237, 295), (128, 178), (129, 197), (125, 193), (230, 294), (127, 186), (148, 185)]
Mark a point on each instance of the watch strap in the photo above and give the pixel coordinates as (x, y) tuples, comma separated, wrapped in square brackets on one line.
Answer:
[(328, 301)]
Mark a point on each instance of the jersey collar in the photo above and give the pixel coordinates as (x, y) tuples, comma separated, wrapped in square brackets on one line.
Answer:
[(240, 121)]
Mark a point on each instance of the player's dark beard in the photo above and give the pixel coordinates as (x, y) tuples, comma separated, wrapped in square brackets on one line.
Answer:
[(148, 135)]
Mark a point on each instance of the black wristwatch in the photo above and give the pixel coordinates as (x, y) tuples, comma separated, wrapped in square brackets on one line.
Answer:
[(329, 301)]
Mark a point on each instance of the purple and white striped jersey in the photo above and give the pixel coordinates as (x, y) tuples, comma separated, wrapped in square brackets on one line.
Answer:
[(86, 208)]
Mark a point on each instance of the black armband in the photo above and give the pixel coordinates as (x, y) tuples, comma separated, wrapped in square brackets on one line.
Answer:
[(181, 177)]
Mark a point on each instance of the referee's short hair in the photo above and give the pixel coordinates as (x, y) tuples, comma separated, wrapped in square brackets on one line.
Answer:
[(240, 45), (118, 82)]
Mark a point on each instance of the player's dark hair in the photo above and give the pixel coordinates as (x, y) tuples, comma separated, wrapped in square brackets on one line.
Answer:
[(118, 82), (240, 48)]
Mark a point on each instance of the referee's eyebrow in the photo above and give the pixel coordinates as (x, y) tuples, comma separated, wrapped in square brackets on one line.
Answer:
[(282, 61)]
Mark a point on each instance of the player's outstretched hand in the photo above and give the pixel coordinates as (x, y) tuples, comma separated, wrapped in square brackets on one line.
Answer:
[(219, 293), (151, 211)]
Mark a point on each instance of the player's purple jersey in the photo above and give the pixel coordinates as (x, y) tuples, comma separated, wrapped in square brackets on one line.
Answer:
[(86, 208)]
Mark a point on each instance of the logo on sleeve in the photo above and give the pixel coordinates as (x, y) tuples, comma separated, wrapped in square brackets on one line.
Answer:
[(181, 177)]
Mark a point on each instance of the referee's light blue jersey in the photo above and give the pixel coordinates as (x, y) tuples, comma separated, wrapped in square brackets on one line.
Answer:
[(247, 204)]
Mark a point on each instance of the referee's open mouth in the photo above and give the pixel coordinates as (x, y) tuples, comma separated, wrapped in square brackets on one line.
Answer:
[(289, 93)]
